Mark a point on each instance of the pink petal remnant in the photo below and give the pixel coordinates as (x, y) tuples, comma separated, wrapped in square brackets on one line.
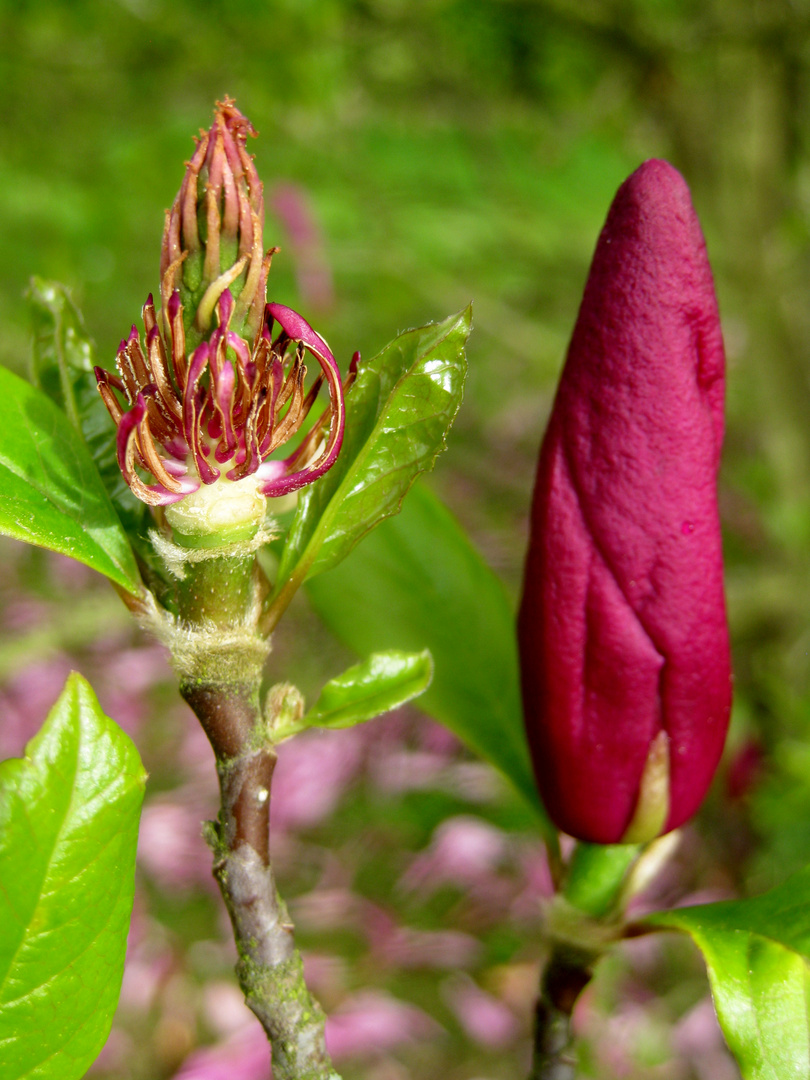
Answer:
[(623, 638), (209, 392)]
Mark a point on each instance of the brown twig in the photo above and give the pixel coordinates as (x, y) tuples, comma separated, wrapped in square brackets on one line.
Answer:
[(565, 976), (219, 656), (269, 967)]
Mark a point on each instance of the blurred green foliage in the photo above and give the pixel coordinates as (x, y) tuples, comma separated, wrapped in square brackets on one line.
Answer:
[(457, 150)]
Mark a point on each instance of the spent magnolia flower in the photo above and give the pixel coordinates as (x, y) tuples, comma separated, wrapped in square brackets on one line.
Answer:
[(622, 628), (211, 393)]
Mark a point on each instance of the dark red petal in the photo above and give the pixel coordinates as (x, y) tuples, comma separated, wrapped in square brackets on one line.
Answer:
[(299, 329)]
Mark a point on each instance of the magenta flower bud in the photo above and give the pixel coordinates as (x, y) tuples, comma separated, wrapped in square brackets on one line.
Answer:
[(209, 394), (623, 638)]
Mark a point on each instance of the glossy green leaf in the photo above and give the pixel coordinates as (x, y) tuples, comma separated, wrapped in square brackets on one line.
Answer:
[(398, 413), (51, 493), (417, 582), (69, 816), (62, 363), (757, 953), (383, 681)]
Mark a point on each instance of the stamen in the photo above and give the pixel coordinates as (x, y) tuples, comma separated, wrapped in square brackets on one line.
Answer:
[(254, 269), (211, 267), (292, 323), (153, 495), (106, 383), (187, 199), (148, 315), (268, 411), (161, 375), (286, 390), (193, 403), (225, 308), (292, 420), (254, 317), (177, 333), (150, 455), (252, 459), (134, 350), (123, 361)]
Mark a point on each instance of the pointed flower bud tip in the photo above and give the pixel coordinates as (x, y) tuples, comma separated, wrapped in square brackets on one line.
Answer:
[(622, 628), (210, 395)]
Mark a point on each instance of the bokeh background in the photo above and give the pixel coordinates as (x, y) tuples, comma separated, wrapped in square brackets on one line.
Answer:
[(419, 154)]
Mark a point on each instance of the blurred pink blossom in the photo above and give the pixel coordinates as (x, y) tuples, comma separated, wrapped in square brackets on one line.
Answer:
[(367, 1024), (136, 670), (486, 1019), (118, 1050), (70, 573), (24, 613), (620, 1037), (326, 975), (142, 981), (244, 1056), (195, 756), (26, 701), (406, 770), (224, 1009), (150, 961), (291, 204), (473, 781), (129, 711), (171, 848), (698, 1039), (644, 955), (328, 909), (462, 851), (373, 1022), (312, 773), (537, 883), (438, 739), (123, 675), (405, 947)]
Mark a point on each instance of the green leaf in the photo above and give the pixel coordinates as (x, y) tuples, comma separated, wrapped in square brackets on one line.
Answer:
[(62, 366), (383, 681), (51, 493), (757, 954), (398, 413), (68, 832), (417, 583)]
